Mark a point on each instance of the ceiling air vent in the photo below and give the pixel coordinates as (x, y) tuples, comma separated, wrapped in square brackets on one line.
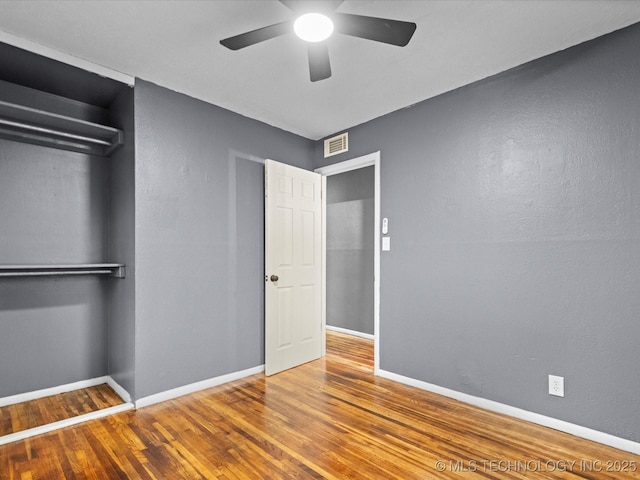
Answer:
[(336, 145)]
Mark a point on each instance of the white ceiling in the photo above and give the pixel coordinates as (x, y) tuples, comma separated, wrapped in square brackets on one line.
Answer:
[(175, 44)]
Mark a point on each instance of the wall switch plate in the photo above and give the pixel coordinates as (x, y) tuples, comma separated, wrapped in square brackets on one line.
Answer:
[(385, 226), (386, 244), (556, 386)]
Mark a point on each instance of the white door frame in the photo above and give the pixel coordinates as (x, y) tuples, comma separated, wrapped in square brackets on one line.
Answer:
[(372, 159)]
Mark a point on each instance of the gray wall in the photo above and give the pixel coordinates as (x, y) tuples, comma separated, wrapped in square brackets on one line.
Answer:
[(121, 247), (53, 206), (515, 214), (350, 215), (199, 210)]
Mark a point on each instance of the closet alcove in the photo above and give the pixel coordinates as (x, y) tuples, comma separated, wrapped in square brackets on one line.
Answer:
[(67, 235)]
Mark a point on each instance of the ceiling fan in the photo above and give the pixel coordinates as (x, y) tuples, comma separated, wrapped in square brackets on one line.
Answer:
[(315, 22)]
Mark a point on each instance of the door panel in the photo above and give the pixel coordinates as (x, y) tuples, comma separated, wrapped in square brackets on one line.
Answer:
[(293, 256), (285, 314)]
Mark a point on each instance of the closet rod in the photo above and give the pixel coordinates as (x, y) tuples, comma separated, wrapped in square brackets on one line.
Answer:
[(50, 131), (116, 270), (51, 273)]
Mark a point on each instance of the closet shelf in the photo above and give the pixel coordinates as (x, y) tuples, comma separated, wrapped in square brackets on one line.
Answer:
[(111, 269), (39, 127)]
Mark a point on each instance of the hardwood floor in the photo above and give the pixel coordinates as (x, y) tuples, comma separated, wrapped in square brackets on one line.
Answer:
[(348, 348), (330, 418), (22, 416)]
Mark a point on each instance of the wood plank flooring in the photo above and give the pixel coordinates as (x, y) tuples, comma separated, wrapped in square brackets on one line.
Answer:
[(348, 348), (330, 419), (23, 416)]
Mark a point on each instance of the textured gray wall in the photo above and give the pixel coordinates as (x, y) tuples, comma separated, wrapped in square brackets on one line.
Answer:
[(53, 207), (199, 213), (515, 210), (350, 215), (121, 247)]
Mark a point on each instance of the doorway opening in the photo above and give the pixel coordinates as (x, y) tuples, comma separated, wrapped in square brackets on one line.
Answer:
[(351, 249)]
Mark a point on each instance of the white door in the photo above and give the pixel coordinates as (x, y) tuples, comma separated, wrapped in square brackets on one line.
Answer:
[(293, 274)]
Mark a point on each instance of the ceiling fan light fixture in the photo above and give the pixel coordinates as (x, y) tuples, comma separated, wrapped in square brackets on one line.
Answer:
[(313, 27)]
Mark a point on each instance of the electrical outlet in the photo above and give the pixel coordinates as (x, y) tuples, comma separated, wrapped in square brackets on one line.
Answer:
[(556, 386)]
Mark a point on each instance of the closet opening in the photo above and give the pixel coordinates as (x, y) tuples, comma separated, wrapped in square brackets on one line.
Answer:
[(66, 253)]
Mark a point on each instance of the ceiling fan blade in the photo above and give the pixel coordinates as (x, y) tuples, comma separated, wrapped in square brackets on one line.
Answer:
[(256, 36), (319, 65), (393, 32)]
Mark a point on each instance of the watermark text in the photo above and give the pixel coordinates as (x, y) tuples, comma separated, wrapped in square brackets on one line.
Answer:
[(527, 466)]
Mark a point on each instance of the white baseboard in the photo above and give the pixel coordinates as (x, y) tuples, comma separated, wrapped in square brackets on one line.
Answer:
[(69, 387), (561, 425), (197, 386), (46, 392), (122, 393), (14, 437), (350, 332)]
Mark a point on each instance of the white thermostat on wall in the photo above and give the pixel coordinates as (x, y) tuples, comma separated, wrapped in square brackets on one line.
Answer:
[(385, 226)]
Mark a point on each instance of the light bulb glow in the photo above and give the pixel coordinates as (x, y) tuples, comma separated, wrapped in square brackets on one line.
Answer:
[(313, 27)]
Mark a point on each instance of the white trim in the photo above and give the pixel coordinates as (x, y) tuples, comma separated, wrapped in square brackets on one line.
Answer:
[(122, 393), (376, 266), (371, 159), (561, 425), (323, 266), (65, 58), (348, 165), (196, 387), (351, 332), (14, 437), (46, 392)]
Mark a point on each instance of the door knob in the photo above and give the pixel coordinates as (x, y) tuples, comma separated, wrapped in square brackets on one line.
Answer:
[(274, 278)]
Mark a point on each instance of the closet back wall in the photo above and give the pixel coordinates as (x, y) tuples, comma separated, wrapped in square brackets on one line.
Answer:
[(53, 206)]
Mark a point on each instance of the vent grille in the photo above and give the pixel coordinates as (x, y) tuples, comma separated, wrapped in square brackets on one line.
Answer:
[(336, 145)]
